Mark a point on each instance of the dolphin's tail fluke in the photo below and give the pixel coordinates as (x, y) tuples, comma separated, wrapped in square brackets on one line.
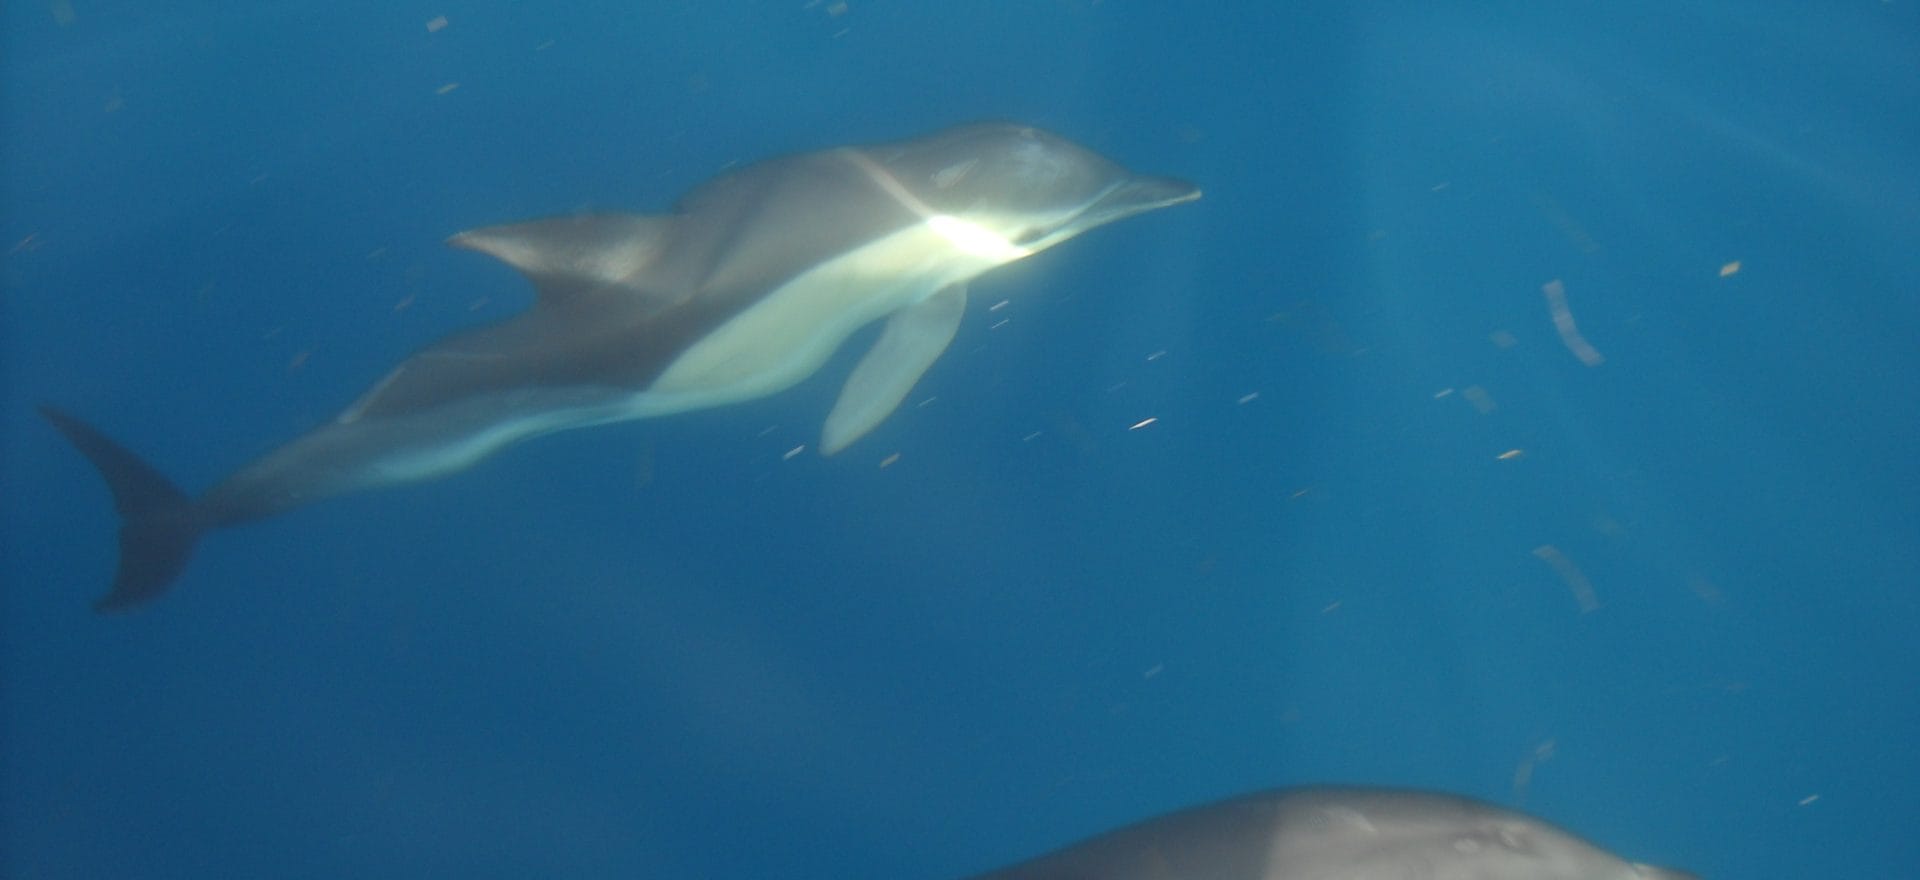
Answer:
[(159, 524)]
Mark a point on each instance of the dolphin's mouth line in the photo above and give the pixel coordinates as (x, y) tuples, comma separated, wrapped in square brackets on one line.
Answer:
[(1115, 202)]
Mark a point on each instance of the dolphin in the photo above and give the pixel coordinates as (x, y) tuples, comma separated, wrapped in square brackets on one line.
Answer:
[(747, 287), (1332, 833)]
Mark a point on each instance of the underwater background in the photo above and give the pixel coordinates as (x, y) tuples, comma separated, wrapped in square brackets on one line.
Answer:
[(1635, 551)]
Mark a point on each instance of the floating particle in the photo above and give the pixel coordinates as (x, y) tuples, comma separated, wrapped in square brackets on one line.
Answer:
[(999, 324), (436, 24), (643, 468), (446, 88), (1730, 269), (1510, 455), (1157, 355), (1248, 397), (889, 460), (1481, 400), (1809, 799), (1523, 774), (1144, 422), (1565, 222), (1502, 339), (299, 360), (1444, 392), (1576, 579), (1556, 294), (793, 452), (999, 305)]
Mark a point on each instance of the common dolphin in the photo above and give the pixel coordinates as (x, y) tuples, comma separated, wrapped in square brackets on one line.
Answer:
[(747, 287), (1337, 834)]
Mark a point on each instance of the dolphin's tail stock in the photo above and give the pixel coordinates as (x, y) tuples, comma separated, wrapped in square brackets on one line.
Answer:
[(159, 524)]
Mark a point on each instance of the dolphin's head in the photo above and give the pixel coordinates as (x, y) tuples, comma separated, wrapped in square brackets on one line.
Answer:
[(1018, 189)]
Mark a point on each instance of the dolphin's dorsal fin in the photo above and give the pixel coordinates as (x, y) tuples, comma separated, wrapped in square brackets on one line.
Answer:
[(568, 258)]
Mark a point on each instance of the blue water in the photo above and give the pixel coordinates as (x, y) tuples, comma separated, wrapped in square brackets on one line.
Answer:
[(665, 649)]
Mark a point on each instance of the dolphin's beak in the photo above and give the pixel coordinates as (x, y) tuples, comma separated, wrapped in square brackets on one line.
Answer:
[(1136, 195)]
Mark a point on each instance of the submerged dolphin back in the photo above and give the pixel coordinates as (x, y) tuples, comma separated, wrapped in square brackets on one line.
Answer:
[(1332, 833)]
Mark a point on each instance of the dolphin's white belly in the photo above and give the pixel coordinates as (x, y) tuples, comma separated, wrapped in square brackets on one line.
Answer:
[(767, 348), (792, 331)]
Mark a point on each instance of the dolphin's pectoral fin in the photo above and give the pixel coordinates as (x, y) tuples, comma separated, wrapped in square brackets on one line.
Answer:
[(570, 257), (913, 339)]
